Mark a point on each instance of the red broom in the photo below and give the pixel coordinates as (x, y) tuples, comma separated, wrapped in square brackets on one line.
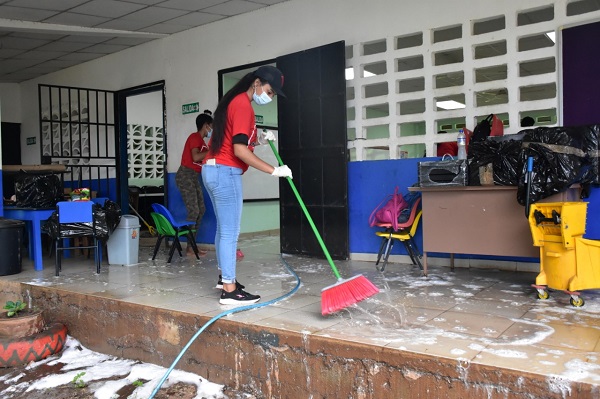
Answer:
[(345, 292)]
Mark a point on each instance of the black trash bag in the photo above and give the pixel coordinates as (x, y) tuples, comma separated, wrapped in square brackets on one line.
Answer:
[(113, 215), (504, 153), (100, 219), (50, 226), (562, 156), (38, 190)]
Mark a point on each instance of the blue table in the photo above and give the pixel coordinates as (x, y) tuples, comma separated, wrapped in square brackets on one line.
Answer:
[(34, 217)]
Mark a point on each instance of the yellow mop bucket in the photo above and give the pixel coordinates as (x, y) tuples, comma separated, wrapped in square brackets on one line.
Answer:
[(557, 228)]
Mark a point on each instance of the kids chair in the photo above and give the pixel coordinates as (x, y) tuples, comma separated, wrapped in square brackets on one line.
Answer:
[(75, 219), (179, 227), (100, 200), (407, 227), (166, 229)]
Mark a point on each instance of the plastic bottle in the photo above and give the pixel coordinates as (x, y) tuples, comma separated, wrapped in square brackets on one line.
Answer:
[(461, 141)]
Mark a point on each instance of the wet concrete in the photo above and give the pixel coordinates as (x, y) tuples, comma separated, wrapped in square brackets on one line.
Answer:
[(468, 334)]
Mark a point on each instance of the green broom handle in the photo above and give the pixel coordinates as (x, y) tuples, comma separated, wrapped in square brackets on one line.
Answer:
[(312, 224)]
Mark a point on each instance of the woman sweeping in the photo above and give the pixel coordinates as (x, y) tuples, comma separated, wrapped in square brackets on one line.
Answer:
[(231, 153)]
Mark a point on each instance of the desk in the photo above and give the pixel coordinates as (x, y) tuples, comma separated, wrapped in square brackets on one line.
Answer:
[(479, 220), (35, 217)]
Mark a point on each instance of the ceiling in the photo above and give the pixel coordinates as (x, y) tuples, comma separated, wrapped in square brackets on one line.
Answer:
[(38, 37)]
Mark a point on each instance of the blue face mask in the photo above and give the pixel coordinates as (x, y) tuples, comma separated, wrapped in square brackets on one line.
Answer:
[(263, 99), (208, 134)]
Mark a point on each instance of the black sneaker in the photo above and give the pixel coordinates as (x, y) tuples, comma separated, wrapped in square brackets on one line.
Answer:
[(237, 296), (219, 285)]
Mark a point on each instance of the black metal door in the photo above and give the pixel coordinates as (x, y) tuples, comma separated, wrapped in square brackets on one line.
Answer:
[(312, 142)]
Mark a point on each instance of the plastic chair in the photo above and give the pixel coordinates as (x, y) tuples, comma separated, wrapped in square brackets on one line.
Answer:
[(178, 227), (407, 228), (100, 200), (75, 219), (165, 229)]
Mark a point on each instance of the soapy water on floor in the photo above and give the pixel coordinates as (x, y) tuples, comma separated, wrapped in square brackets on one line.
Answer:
[(384, 318), (387, 319)]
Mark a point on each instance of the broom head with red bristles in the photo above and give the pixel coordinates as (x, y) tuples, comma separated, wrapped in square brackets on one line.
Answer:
[(345, 293)]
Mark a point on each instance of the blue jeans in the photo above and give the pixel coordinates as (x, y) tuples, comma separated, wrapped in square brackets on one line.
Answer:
[(224, 187)]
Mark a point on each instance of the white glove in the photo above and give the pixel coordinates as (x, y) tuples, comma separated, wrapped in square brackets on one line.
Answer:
[(265, 136), (282, 171)]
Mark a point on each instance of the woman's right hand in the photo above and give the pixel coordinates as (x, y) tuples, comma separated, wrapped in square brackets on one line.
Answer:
[(282, 171), (265, 136)]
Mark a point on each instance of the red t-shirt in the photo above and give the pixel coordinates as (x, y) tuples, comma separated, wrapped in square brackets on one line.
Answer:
[(193, 141), (240, 120)]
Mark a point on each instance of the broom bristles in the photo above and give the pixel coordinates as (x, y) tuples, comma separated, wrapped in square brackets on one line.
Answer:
[(345, 293)]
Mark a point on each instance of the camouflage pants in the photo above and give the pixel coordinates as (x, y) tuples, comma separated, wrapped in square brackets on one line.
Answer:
[(188, 183)]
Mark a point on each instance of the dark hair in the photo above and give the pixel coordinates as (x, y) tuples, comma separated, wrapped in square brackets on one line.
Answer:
[(527, 121), (218, 135), (203, 119)]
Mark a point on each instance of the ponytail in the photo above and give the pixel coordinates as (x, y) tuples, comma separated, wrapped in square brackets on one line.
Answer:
[(218, 135)]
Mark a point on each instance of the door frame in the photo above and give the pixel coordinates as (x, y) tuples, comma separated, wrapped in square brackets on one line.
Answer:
[(122, 161)]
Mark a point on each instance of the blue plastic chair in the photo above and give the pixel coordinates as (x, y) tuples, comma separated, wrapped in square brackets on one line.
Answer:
[(166, 230), (178, 226), (100, 200), (78, 214)]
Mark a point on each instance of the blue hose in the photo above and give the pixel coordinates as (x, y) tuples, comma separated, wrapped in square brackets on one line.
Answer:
[(217, 317)]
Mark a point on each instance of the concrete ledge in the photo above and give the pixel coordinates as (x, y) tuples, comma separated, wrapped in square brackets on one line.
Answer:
[(274, 363)]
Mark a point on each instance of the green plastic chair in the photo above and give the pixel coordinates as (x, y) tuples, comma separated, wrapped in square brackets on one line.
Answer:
[(165, 229)]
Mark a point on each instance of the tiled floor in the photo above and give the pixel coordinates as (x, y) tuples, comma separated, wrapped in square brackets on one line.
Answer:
[(482, 316)]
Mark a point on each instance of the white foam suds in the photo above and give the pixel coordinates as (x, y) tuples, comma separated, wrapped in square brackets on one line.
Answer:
[(559, 385), (578, 370), (460, 293), (76, 359)]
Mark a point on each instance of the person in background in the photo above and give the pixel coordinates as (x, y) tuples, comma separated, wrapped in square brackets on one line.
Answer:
[(527, 121), (187, 177), (231, 153), (448, 147)]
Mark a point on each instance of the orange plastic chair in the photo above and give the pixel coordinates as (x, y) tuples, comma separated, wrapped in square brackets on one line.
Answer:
[(405, 234)]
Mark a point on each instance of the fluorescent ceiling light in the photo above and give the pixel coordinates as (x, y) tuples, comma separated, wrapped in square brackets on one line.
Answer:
[(450, 104), (551, 36), (42, 27), (350, 74)]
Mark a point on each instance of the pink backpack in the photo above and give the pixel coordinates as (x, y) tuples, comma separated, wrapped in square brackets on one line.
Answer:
[(390, 212)]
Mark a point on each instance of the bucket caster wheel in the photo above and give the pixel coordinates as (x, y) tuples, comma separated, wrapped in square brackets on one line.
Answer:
[(542, 293), (577, 301)]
